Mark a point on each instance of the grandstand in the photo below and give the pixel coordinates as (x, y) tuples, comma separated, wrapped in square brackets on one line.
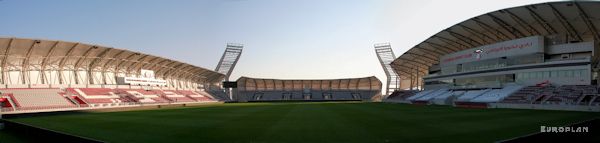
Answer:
[(540, 56), (255, 89), (47, 75)]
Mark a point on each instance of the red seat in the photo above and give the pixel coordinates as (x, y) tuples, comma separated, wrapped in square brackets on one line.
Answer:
[(96, 91), (99, 101)]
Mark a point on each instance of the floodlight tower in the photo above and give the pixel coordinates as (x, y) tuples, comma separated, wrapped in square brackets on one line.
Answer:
[(230, 57), (386, 56)]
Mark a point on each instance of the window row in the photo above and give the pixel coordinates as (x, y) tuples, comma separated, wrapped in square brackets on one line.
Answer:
[(551, 74)]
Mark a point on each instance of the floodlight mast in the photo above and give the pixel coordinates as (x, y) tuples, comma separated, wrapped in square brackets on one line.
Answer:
[(386, 56), (230, 57)]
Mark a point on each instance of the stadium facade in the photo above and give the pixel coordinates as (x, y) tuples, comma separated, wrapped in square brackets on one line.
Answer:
[(47, 74), (257, 89), (536, 54), (34, 63)]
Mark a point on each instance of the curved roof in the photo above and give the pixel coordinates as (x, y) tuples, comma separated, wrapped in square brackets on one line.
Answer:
[(257, 84), (62, 55), (560, 21)]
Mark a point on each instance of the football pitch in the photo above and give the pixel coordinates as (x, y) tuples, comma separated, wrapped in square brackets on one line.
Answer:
[(358, 122)]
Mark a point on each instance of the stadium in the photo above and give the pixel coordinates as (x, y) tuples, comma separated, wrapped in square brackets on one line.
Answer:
[(496, 77), (48, 75), (539, 56), (252, 89)]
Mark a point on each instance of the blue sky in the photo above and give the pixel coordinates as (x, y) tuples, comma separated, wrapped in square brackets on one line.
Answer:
[(290, 39)]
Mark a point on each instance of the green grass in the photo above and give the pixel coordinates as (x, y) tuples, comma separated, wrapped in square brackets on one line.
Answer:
[(10, 137), (307, 122)]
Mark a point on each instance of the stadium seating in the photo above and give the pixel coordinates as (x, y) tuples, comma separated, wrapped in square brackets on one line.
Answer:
[(595, 101), (95, 96), (96, 91), (31, 99), (197, 95), (432, 95), (527, 94), (107, 96), (589, 93), (217, 93), (316, 95), (276, 95), (146, 96), (99, 101), (497, 95), (8, 104), (566, 94), (446, 99), (4, 102), (401, 94), (342, 95), (176, 97), (470, 94), (252, 89), (422, 93), (144, 92), (272, 96), (562, 95), (295, 96)]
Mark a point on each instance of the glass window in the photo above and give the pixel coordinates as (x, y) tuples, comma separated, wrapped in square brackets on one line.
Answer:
[(546, 74), (569, 73), (532, 75), (508, 78), (562, 73), (577, 73), (554, 74), (540, 74), (520, 76), (448, 69)]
